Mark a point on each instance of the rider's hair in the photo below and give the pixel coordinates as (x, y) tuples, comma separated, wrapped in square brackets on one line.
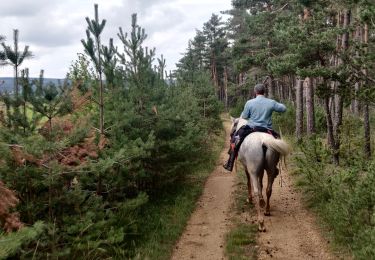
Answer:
[(259, 89)]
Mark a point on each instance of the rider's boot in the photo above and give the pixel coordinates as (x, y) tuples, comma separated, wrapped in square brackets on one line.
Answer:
[(232, 157)]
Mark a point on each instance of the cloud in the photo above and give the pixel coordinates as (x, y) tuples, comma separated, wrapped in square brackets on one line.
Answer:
[(20, 8), (53, 29), (51, 34)]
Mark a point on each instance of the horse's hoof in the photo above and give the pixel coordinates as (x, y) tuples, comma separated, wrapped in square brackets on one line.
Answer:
[(267, 214), (262, 203), (261, 229)]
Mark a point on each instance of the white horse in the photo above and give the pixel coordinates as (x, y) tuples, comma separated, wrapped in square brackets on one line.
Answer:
[(259, 152)]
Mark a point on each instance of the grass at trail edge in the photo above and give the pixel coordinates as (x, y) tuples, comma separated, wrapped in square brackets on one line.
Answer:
[(241, 240), (164, 218)]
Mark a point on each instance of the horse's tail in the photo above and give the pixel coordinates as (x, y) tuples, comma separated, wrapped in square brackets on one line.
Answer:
[(278, 145)]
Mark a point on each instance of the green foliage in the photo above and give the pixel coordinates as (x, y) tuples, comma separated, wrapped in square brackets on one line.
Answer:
[(81, 72), (208, 54), (92, 49), (351, 149), (316, 156), (344, 197), (236, 110), (51, 101), (303, 38), (12, 243), (285, 122), (98, 205), (15, 57)]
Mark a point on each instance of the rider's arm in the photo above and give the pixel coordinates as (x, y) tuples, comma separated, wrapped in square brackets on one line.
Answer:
[(278, 107), (246, 111)]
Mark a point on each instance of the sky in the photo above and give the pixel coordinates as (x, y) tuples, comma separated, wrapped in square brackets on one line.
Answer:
[(54, 28)]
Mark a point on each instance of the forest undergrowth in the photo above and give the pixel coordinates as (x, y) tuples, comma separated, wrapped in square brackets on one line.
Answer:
[(342, 196), (166, 214)]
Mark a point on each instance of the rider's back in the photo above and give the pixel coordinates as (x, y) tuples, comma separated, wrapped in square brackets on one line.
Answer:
[(259, 111)]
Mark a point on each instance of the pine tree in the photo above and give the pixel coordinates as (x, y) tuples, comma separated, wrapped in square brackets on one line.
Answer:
[(51, 101), (216, 43), (26, 97), (139, 68), (15, 58), (93, 50), (299, 109), (161, 67), (11, 244), (109, 62), (188, 65), (198, 45), (2, 53)]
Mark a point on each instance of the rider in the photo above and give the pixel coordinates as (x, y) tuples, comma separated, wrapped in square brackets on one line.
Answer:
[(258, 111)]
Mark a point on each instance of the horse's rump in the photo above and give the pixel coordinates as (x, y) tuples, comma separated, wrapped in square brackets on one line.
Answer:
[(259, 139)]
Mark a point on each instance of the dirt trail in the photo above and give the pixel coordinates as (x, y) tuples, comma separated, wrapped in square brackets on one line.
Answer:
[(291, 229), (204, 234), (292, 232)]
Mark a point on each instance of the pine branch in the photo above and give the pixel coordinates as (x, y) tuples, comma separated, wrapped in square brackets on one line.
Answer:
[(280, 9)]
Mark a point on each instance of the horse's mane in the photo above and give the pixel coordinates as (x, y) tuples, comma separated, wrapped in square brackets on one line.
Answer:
[(238, 122)]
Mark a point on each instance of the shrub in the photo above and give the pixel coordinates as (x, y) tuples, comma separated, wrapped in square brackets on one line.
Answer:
[(343, 196)]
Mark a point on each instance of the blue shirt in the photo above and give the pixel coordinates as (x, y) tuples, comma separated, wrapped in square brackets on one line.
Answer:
[(259, 111)]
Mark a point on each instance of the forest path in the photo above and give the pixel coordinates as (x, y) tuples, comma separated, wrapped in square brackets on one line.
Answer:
[(204, 235), (292, 232)]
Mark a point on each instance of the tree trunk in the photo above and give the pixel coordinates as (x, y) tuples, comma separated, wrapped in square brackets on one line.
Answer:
[(226, 88), (339, 98), (271, 87), (214, 76), (291, 87), (310, 113), (355, 102), (330, 136), (16, 90), (204, 108), (366, 112), (336, 62), (101, 87), (310, 106), (299, 109), (366, 117), (16, 64)]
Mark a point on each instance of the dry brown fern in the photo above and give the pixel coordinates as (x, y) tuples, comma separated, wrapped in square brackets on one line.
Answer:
[(8, 221)]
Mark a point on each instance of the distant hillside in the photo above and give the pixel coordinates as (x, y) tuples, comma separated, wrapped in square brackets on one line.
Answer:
[(6, 83)]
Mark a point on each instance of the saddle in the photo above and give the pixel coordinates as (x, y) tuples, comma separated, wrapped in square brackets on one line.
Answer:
[(240, 135), (266, 130)]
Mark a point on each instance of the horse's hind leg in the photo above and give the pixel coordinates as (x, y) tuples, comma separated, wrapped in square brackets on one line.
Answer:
[(250, 196), (271, 177), (258, 200), (262, 202)]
